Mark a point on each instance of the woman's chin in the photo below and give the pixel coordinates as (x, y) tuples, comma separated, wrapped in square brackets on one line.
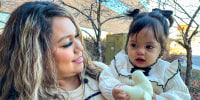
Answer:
[(80, 67)]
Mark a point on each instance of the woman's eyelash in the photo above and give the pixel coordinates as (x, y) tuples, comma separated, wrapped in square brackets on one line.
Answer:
[(70, 43), (77, 35), (67, 45)]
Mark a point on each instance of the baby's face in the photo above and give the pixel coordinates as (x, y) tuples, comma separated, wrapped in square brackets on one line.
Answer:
[(143, 49)]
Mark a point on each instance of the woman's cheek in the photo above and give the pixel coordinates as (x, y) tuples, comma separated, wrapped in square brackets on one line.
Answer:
[(63, 55)]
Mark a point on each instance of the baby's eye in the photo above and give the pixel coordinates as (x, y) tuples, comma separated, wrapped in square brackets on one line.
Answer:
[(149, 47), (67, 45), (133, 45), (77, 35)]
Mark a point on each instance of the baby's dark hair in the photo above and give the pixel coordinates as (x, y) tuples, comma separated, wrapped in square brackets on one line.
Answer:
[(159, 20)]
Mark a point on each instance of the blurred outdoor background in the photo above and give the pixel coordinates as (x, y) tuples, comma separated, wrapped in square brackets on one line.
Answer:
[(105, 27)]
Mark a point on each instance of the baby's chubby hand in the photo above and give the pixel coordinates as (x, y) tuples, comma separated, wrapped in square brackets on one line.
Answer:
[(118, 93)]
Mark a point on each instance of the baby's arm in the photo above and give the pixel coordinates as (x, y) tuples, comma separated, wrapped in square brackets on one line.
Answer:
[(108, 82)]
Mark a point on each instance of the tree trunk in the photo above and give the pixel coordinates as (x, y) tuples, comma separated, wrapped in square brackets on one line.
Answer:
[(100, 51), (99, 31), (189, 67)]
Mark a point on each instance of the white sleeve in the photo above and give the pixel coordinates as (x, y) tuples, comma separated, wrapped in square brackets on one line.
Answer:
[(175, 88), (107, 81)]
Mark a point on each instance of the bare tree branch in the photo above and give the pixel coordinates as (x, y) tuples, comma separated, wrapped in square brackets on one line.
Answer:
[(194, 33), (180, 19), (185, 11), (2, 22), (89, 41), (111, 19), (88, 34), (91, 9), (93, 24), (192, 20), (179, 42), (164, 2), (83, 11), (182, 33), (73, 8), (90, 15), (169, 3)]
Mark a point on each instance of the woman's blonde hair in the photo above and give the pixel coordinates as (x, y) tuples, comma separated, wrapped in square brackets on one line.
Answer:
[(27, 68)]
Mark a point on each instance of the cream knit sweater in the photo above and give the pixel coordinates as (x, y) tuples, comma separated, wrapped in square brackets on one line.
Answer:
[(164, 77), (86, 91)]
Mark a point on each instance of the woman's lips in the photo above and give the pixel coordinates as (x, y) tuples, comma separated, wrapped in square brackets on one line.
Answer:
[(79, 60)]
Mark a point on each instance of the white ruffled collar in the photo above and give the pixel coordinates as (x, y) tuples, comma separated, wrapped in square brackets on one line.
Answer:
[(156, 74)]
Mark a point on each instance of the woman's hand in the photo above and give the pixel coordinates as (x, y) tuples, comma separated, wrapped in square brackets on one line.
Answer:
[(119, 94)]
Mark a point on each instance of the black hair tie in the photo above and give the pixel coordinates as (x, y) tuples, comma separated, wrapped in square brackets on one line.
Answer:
[(133, 13)]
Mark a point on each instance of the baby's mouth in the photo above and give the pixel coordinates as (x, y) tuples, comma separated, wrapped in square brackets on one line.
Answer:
[(140, 60)]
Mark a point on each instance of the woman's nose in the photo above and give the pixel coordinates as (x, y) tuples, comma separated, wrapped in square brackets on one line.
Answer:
[(78, 45)]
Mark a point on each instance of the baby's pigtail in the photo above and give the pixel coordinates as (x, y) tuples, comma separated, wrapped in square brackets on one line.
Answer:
[(167, 14), (171, 20), (132, 13)]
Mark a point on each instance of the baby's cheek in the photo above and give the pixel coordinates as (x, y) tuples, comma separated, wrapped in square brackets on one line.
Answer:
[(153, 56)]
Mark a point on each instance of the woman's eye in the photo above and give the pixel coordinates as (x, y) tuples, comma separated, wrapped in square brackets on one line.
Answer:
[(149, 47), (67, 45), (77, 35), (133, 45), (70, 43)]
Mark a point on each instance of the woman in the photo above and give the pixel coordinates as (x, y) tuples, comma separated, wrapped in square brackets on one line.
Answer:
[(43, 56)]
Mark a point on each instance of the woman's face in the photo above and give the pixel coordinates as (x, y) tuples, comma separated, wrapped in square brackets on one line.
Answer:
[(143, 49), (67, 48)]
